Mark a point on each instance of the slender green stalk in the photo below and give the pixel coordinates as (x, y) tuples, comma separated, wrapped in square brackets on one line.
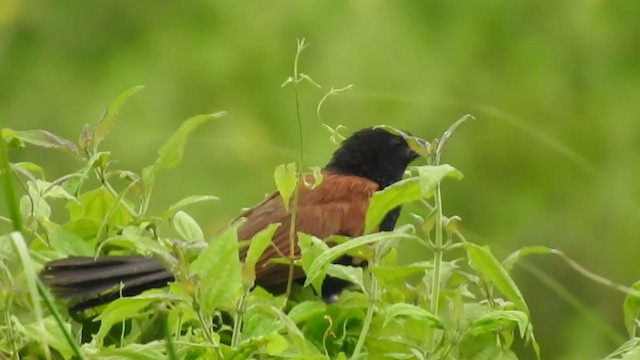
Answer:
[(9, 190), (437, 263), (59, 321), (373, 294), (168, 339), (31, 280), (297, 78), (237, 318)]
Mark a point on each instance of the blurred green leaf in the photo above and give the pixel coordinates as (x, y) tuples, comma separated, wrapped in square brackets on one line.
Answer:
[(46, 332), (351, 274), (404, 191), (127, 308), (42, 138), (95, 205), (630, 350), (305, 310), (66, 242), (219, 270), (276, 344), (286, 177), (310, 248), (498, 320), (403, 309), (187, 227), (320, 264), (481, 259), (631, 309), (108, 119), (258, 244), (189, 200), (170, 154), (392, 273)]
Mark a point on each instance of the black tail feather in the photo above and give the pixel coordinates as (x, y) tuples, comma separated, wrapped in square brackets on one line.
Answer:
[(87, 282)]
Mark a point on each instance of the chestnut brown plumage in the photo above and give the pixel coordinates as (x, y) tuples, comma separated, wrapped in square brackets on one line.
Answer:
[(369, 160)]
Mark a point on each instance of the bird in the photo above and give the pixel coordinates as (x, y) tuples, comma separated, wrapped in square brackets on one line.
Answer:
[(369, 160)]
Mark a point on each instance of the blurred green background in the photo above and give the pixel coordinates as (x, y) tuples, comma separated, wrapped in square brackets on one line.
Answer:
[(554, 85)]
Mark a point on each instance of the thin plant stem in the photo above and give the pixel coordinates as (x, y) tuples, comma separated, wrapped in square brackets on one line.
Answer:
[(373, 293), (437, 262), (237, 319)]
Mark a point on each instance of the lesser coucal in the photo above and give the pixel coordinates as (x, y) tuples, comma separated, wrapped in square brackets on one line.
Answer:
[(369, 160)]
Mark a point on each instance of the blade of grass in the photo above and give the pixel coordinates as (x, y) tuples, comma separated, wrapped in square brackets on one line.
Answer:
[(9, 190), (32, 279), (58, 318)]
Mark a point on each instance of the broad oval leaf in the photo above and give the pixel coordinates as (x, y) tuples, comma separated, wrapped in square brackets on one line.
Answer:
[(498, 320), (407, 190), (67, 242), (481, 259), (187, 227), (258, 244), (403, 309), (352, 274), (219, 270), (286, 178), (306, 310), (320, 264)]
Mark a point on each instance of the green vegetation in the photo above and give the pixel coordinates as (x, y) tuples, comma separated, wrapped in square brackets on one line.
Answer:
[(551, 160), (467, 307)]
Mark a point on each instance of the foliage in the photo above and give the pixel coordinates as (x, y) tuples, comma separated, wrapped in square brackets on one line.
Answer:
[(464, 307)]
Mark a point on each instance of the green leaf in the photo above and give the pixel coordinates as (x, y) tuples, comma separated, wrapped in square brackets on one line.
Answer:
[(67, 242), (29, 167), (95, 205), (631, 309), (47, 332), (512, 259), (187, 227), (276, 345), (306, 310), (46, 139), (170, 154), (498, 320), (128, 308), (403, 309), (189, 200), (630, 350), (286, 177), (310, 248), (320, 264), (392, 273), (481, 259), (258, 244), (407, 190), (108, 119), (351, 274), (219, 270)]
